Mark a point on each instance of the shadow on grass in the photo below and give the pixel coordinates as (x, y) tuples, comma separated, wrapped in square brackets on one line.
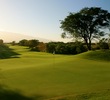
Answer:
[(6, 52), (7, 94)]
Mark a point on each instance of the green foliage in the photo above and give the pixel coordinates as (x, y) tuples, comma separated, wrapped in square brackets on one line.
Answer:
[(66, 48), (13, 43), (95, 46), (103, 43), (32, 44), (1, 41), (50, 47), (23, 42), (41, 47), (88, 23)]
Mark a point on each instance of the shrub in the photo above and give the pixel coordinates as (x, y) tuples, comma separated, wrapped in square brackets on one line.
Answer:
[(103, 45)]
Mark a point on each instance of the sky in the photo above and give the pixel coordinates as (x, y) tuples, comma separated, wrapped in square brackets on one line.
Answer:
[(41, 18)]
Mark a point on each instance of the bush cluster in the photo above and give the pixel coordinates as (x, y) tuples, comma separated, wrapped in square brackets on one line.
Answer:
[(65, 48)]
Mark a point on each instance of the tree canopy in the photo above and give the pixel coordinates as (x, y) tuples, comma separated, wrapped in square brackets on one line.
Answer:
[(65, 48), (88, 23)]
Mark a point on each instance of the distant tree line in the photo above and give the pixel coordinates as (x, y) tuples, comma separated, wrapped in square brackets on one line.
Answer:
[(66, 48), (57, 47), (61, 47), (34, 45)]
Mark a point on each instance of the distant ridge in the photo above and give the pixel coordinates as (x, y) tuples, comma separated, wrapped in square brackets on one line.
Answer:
[(9, 37)]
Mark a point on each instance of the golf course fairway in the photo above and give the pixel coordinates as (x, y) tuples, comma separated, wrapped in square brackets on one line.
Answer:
[(45, 76)]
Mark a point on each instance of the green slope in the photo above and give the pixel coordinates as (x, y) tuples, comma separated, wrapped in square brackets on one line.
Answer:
[(101, 55), (56, 77), (6, 52)]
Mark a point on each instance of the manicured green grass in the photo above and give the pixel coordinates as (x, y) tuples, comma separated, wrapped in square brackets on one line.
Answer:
[(56, 77), (102, 55)]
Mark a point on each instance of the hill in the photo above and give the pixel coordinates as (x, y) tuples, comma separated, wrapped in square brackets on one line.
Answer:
[(101, 55), (9, 37)]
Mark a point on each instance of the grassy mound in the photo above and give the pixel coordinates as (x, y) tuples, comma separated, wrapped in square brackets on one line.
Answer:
[(103, 55), (6, 52)]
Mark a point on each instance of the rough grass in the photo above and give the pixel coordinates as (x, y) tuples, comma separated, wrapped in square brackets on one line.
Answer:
[(56, 77)]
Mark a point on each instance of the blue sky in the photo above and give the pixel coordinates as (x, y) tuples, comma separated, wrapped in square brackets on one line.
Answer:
[(41, 18)]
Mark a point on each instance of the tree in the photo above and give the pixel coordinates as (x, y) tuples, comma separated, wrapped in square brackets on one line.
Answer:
[(65, 48), (50, 47), (41, 47), (33, 44), (103, 43), (86, 24), (1, 41), (23, 42), (13, 43)]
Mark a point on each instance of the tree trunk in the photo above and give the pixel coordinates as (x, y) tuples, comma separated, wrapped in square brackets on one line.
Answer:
[(88, 43), (89, 46)]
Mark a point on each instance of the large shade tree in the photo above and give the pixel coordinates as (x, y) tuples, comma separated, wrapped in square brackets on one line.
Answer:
[(88, 23)]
